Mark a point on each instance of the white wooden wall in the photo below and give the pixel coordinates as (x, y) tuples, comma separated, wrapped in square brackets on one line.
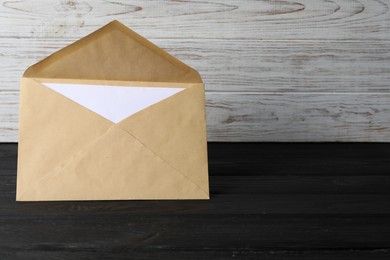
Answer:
[(275, 70)]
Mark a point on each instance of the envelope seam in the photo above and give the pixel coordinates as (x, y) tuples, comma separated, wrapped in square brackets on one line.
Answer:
[(132, 135)]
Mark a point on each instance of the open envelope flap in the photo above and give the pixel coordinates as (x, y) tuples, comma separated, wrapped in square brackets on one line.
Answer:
[(114, 52), (175, 129), (115, 166)]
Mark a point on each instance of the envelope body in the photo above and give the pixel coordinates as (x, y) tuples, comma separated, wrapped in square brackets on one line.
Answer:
[(112, 117)]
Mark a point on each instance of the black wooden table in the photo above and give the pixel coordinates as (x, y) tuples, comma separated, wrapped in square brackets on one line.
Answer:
[(268, 201)]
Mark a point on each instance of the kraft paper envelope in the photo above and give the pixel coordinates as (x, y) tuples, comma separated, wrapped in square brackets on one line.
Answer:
[(112, 117)]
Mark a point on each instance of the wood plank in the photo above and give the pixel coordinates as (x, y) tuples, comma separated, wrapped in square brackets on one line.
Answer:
[(154, 232), (58, 252), (247, 46), (9, 113), (249, 216), (287, 66), (318, 117), (275, 117), (8, 160), (223, 202), (313, 185), (300, 159), (245, 65), (300, 19)]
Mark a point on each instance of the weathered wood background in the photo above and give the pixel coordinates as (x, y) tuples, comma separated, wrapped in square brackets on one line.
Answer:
[(302, 70)]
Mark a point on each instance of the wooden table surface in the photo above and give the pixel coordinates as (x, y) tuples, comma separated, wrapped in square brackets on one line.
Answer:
[(268, 201)]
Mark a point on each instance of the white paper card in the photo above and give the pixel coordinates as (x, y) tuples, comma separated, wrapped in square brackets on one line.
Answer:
[(114, 103)]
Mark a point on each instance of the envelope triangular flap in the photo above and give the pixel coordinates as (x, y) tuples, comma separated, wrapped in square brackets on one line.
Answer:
[(114, 52)]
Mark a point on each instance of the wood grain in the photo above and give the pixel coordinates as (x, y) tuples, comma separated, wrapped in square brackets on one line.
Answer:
[(9, 113), (298, 117), (245, 19), (178, 232), (291, 215), (122, 253), (245, 65), (280, 70), (300, 160)]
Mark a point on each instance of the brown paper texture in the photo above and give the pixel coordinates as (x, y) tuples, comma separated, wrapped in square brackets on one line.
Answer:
[(68, 152)]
